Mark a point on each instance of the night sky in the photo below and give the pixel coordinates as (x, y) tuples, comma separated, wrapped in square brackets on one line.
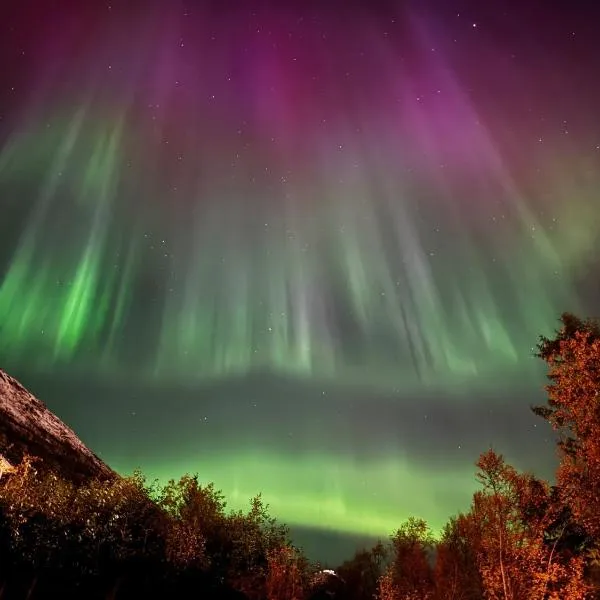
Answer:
[(299, 249)]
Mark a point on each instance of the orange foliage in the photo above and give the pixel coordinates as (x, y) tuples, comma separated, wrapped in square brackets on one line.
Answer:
[(410, 576), (286, 578), (506, 527), (574, 412), (456, 575)]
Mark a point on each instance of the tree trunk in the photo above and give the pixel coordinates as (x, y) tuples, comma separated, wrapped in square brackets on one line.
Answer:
[(115, 589), (32, 587), (504, 584)]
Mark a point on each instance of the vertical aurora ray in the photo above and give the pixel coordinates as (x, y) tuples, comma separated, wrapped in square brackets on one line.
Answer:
[(63, 300)]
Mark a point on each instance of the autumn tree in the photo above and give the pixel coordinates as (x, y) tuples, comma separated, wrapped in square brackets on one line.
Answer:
[(232, 548), (507, 525), (573, 410), (410, 574), (288, 574), (456, 574), (259, 544), (195, 513)]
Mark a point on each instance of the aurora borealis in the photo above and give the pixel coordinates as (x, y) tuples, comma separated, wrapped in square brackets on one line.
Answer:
[(309, 251)]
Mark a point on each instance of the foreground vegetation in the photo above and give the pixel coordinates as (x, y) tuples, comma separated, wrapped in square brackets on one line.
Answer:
[(522, 538)]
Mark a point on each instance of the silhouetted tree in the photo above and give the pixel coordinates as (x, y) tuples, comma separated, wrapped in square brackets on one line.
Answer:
[(456, 575), (363, 571)]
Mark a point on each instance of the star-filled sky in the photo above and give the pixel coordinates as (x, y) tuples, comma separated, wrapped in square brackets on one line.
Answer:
[(302, 249)]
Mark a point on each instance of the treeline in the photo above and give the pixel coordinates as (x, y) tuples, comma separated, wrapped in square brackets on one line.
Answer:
[(522, 538), (123, 538)]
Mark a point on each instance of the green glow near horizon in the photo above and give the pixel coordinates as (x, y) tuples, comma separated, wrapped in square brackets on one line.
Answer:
[(336, 494)]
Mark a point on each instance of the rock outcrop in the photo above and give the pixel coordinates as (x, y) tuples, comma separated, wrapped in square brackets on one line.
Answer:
[(28, 427)]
